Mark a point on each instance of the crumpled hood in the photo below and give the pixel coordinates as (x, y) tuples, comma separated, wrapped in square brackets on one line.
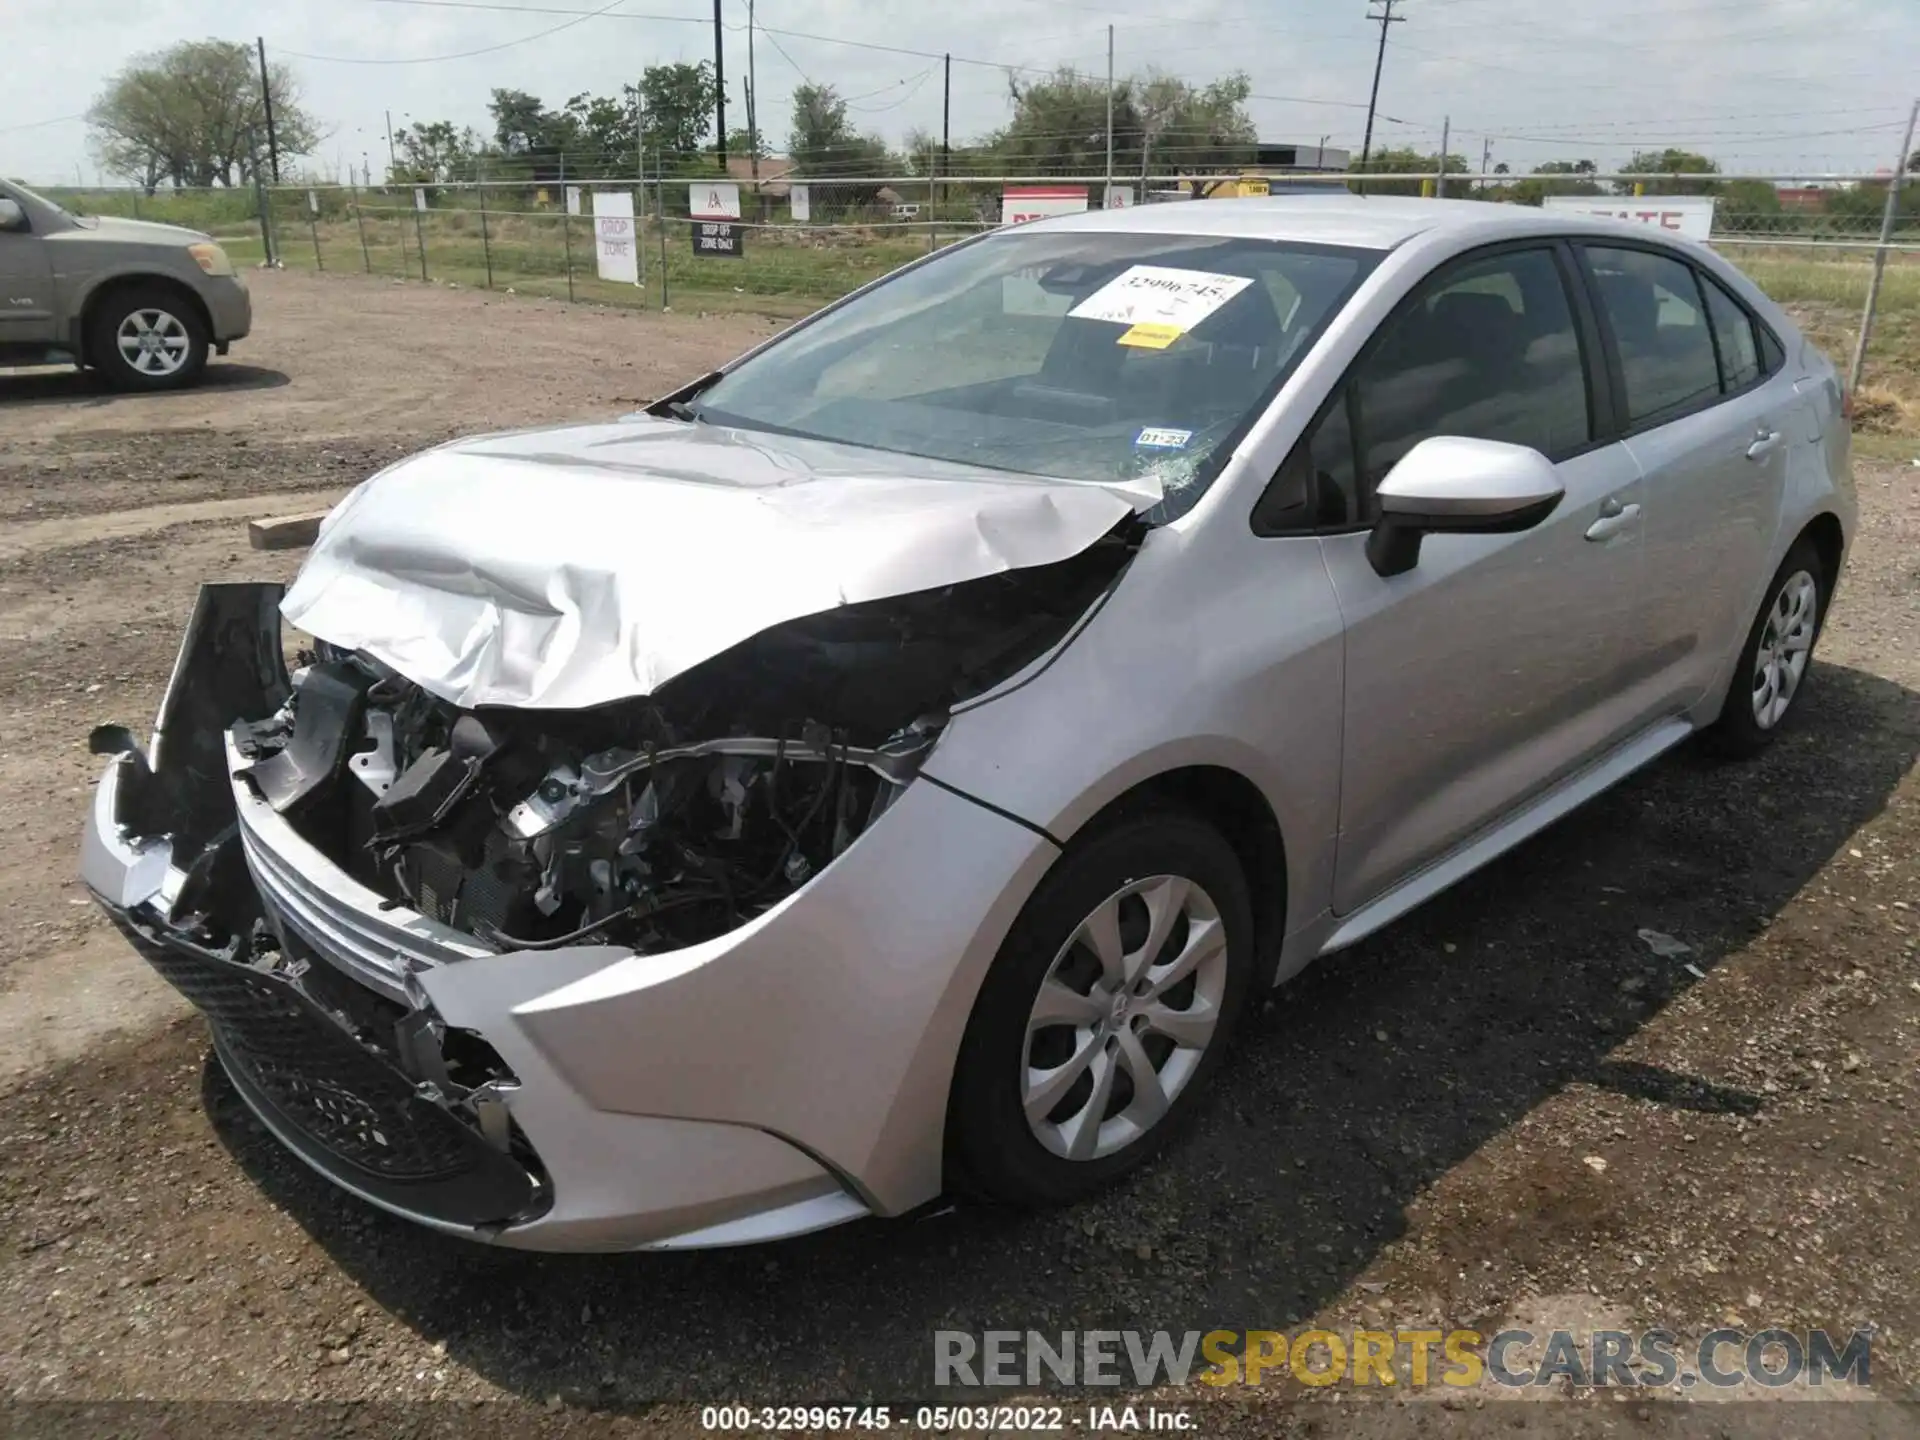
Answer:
[(566, 568)]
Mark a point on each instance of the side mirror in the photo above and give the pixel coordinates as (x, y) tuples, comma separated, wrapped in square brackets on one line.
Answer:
[(12, 217), (1451, 483)]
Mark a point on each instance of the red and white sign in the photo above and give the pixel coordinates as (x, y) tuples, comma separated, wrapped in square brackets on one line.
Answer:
[(1119, 197), (1020, 203), (713, 200), (1688, 215)]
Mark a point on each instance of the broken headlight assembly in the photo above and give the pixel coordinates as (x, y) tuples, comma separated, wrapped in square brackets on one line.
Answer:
[(661, 821)]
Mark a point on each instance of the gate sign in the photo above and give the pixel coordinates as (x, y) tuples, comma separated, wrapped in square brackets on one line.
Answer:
[(717, 237), (1688, 215), (616, 244), (713, 200), (1020, 203), (800, 199), (1119, 197)]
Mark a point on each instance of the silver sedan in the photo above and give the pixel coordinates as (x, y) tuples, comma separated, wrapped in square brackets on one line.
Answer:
[(890, 765)]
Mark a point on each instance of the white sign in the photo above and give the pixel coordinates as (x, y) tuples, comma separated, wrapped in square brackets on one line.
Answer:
[(1021, 203), (419, 197), (1688, 215), (1160, 295), (800, 199), (313, 203), (573, 199), (616, 243), (1119, 197), (713, 200)]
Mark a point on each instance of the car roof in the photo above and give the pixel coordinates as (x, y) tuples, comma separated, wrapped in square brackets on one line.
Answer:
[(1364, 222)]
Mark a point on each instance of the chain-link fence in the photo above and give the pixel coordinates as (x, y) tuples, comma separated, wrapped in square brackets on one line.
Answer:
[(786, 245)]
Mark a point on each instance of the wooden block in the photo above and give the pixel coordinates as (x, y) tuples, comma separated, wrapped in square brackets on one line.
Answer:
[(285, 532)]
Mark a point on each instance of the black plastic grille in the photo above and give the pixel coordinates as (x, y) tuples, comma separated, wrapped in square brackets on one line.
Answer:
[(342, 1097)]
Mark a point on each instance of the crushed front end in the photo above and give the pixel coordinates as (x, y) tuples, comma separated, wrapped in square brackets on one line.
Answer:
[(425, 936)]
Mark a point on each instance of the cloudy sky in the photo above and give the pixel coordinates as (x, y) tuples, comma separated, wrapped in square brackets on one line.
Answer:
[(1764, 85)]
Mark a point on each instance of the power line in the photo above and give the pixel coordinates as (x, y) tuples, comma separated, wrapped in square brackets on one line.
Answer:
[(581, 18), (38, 124)]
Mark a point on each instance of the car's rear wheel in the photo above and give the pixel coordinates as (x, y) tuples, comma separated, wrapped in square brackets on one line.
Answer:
[(1772, 671), (1105, 1013), (147, 337)]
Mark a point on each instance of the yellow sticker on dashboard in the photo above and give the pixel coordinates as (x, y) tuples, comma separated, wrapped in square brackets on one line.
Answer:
[(1152, 337)]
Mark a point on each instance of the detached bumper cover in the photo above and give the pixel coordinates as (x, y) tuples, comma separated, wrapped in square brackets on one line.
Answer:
[(312, 992), (790, 1075)]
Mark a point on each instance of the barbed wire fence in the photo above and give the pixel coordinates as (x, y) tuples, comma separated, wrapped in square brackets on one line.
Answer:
[(1813, 242)]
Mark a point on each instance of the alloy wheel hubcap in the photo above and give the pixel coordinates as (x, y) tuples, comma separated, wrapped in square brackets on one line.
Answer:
[(1786, 643), (153, 342), (1124, 1017)]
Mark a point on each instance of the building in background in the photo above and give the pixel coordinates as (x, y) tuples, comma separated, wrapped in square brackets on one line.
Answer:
[(1274, 164)]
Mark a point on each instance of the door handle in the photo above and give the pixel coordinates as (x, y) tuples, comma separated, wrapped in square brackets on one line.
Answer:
[(1764, 444), (1614, 517)]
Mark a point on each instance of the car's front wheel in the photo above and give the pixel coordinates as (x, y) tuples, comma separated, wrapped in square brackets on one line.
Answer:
[(147, 337), (1772, 669), (1105, 1013)]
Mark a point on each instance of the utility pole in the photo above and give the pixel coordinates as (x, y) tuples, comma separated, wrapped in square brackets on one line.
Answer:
[(1107, 198), (1895, 182), (753, 95), (720, 83), (1486, 154), (392, 164), (1446, 136), (946, 116), (1385, 18), (266, 95)]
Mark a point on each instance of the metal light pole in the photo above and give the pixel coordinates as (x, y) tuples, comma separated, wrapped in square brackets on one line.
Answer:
[(1106, 199)]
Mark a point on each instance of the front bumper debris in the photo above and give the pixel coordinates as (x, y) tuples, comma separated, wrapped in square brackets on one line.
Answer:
[(317, 993)]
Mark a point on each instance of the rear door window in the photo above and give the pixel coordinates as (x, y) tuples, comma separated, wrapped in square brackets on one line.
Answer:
[(1659, 322), (1733, 329)]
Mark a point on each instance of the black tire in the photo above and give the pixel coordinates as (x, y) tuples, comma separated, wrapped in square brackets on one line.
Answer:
[(182, 320), (993, 1153), (1738, 732)]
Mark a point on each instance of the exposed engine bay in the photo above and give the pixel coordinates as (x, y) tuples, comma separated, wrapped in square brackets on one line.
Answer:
[(665, 820)]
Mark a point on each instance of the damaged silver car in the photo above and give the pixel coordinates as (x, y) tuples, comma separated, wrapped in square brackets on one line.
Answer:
[(888, 765)]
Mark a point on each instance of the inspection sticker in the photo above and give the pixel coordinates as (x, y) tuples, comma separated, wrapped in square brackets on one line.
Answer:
[(1159, 295), (1155, 439), (1149, 336)]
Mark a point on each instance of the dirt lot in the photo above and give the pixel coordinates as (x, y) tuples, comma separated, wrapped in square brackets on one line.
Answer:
[(1507, 1108)]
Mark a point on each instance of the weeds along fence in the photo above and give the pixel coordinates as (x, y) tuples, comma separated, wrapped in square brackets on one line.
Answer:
[(1809, 241)]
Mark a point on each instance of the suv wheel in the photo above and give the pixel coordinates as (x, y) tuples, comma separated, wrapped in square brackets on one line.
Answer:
[(146, 337), (1105, 1013)]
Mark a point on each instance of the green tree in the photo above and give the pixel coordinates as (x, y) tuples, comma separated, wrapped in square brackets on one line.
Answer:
[(1194, 130), (601, 136), (1669, 162), (436, 153), (824, 144), (1405, 161), (1059, 125), (679, 105), (1533, 189), (194, 114)]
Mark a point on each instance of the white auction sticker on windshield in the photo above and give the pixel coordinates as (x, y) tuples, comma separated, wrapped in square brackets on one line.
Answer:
[(1160, 295)]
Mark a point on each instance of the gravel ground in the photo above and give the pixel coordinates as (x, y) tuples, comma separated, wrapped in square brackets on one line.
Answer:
[(1506, 1109)]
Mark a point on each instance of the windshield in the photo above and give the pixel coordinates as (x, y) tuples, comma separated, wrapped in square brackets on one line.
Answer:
[(1078, 355)]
